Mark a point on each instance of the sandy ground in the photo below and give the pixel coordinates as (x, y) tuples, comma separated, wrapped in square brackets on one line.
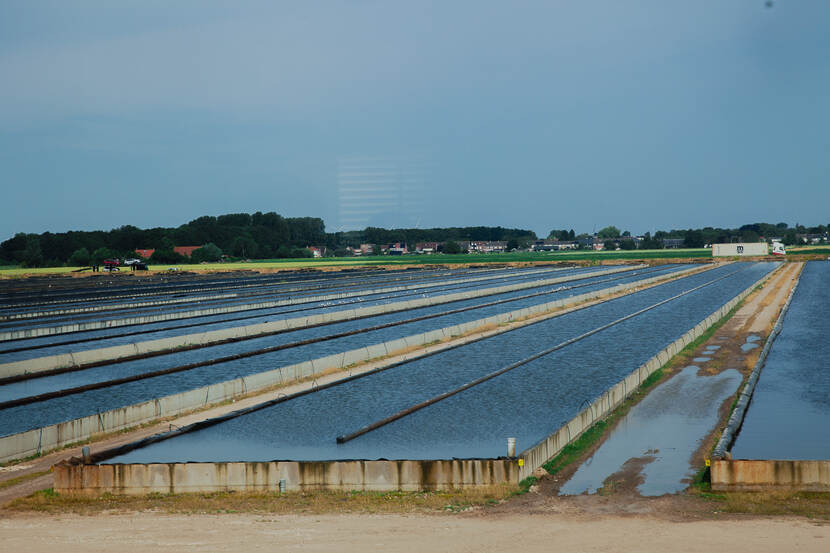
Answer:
[(361, 533)]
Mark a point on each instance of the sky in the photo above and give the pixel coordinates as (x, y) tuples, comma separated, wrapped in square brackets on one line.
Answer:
[(643, 114)]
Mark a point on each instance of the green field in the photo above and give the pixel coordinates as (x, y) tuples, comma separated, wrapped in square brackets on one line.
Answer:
[(397, 260)]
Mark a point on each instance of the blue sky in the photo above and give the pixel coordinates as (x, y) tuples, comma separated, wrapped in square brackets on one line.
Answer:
[(641, 114)]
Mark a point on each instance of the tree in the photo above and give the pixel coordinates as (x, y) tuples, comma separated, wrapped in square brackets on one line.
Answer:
[(80, 258), (790, 237), (99, 255), (32, 254), (609, 232), (694, 239), (749, 236), (649, 243), (512, 244), (208, 252), (610, 245), (452, 247), (167, 256), (243, 246), (627, 244)]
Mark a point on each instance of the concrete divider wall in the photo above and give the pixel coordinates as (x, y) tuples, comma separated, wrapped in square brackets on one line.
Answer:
[(60, 361), (537, 455), (766, 475), (139, 479), (143, 319), (36, 441)]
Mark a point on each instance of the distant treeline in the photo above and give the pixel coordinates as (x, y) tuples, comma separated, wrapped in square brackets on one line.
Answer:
[(413, 236), (236, 235), (269, 235), (241, 235)]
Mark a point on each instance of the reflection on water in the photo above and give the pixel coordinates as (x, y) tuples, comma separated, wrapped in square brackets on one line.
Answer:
[(25, 417), (662, 432), (789, 415), (528, 403)]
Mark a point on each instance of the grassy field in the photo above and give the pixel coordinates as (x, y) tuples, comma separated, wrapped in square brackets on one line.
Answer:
[(516, 257)]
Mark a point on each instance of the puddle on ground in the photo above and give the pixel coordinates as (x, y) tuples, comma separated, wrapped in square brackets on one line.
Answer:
[(753, 338), (748, 347), (701, 359), (713, 348), (663, 431)]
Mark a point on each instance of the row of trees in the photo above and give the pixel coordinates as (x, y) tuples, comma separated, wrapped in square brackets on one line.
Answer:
[(239, 235), (269, 235), (236, 235)]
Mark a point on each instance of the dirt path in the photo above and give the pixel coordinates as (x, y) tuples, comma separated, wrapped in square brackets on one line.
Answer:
[(148, 532)]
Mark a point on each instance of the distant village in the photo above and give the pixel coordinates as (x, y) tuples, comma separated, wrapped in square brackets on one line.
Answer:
[(593, 243)]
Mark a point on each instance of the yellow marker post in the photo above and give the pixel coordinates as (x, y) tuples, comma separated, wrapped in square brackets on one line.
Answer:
[(708, 463), (521, 462)]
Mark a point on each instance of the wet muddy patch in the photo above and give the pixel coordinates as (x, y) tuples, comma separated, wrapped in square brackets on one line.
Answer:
[(658, 437)]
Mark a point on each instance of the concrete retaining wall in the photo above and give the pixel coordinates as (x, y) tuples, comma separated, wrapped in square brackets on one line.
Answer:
[(534, 457), (299, 476), (34, 442), (743, 475), (36, 332), (52, 362)]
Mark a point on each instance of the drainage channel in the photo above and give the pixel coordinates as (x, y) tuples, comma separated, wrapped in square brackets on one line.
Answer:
[(275, 289), (277, 292), (321, 307), (300, 306), (42, 330), (143, 290)]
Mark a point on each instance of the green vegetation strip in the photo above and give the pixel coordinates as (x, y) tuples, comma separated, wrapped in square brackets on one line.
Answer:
[(49, 501), (435, 259)]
